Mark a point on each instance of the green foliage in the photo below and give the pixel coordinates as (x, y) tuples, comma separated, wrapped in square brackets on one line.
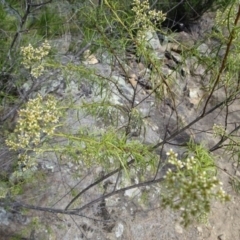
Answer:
[(205, 160), (9, 21), (48, 23), (8, 26), (106, 148), (107, 22), (233, 141), (106, 112)]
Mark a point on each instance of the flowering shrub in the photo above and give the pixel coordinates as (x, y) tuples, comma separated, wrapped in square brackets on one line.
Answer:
[(40, 117), (190, 189)]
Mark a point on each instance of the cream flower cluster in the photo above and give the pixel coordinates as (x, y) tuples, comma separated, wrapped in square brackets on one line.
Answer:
[(188, 164), (190, 189), (144, 16), (226, 16), (218, 130), (32, 58), (39, 117), (26, 162)]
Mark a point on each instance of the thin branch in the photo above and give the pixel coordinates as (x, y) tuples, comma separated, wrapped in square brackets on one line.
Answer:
[(40, 4), (224, 61), (147, 183), (95, 183), (34, 87), (223, 139), (192, 123)]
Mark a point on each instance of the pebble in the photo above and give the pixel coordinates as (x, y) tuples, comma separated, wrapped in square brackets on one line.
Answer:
[(119, 230), (238, 173), (178, 228), (221, 237)]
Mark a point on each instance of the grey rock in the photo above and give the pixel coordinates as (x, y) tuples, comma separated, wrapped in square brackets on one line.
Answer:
[(184, 39), (203, 49), (237, 173), (153, 40), (62, 44), (221, 237), (119, 230), (4, 217), (176, 57)]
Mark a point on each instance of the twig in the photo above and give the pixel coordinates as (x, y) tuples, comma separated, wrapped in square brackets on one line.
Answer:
[(95, 183), (224, 61)]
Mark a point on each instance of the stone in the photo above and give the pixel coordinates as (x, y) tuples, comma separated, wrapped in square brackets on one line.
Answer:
[(200, 230), (132, 192), (195, 95), (178, 228), (177, 57), (237, 173), (152, 38), (221, 237), (184, 39), (235, 164), (203, 48), (119, 230), (89, 59), (62, 44), (170, 64), (4, 217)]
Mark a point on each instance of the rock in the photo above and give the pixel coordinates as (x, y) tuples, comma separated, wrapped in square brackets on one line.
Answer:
[(171, 64), (237, 173), (184, 71), (119, 230), (132, 192), (235, 165), (89, 59), (178, 228), (166, 71), (162, 38), (44, 235), (62, 44), (133, 80), (195, 68), (152, 38), (125, 86), (184, 39), (176, 57), (4, 217), (221, 52), (195, 95), (203, 49), (221, 237), (153, 43), (105, 58)]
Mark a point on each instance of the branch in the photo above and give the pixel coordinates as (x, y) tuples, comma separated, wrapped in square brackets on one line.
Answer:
[(223, 65), (26, 95), (147, 183), (16, 204), (95, 183), (223, 139), (191, 123)]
